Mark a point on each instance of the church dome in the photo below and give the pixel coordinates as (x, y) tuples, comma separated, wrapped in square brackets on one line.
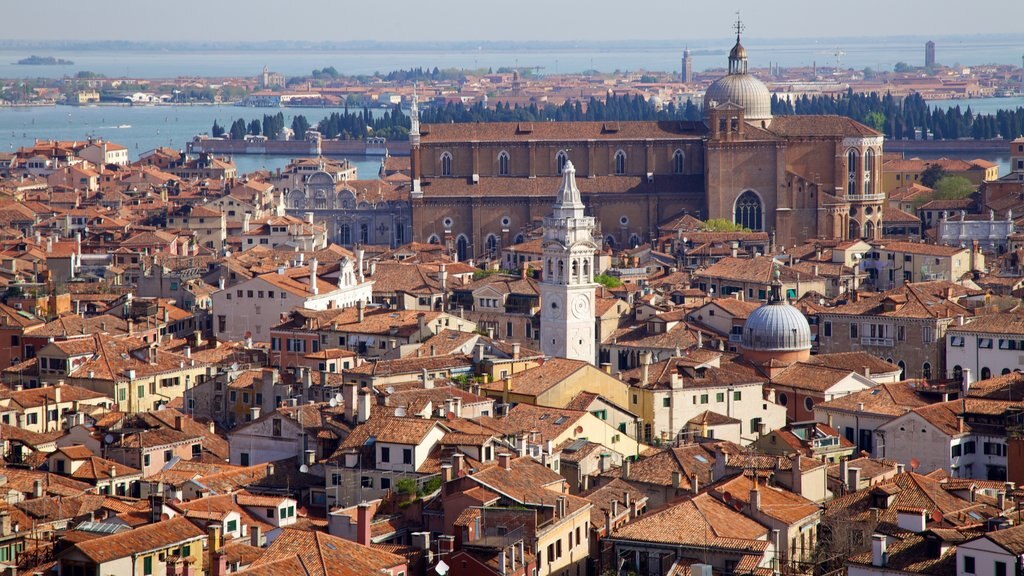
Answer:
[(743, 90), (776, 327), (739, 88)]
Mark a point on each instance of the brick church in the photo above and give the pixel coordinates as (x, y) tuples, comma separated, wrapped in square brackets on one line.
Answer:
[(479, 186)]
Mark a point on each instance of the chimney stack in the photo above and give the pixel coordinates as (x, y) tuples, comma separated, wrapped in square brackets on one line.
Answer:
[(879, 553), (363, 521), (313, 268)]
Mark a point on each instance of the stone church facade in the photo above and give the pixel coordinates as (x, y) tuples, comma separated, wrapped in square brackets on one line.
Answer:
[(478, 187)]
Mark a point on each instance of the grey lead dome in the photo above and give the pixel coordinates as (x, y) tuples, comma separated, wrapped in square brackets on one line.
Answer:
[(776, 326), (743, 90)]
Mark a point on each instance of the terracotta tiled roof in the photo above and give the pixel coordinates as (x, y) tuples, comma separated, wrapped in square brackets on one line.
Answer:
[(895, 215), (390, 429), (854, 362), (538, 380), (819, 125), (893, 399), (993, 324), (909, 489), (778, 503), (319, 554), (142, 539), (528, 131), (918, 300), (700, 521)]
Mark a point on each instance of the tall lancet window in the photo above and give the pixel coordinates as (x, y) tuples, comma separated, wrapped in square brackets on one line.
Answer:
[(851, 168), (748, 211)]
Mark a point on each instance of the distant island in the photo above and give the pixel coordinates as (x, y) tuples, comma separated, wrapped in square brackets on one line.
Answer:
[(43, 61)]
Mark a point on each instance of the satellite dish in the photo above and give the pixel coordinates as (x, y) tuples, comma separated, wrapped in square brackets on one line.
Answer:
[(338, 397), (303, 468), (450, 416), (936, 515), (161, 407), (728, 496), (579, 429), (441, 568), (914, 463), (737, 506), (333, 403), (400, 412), (108, 439), (390, 389)]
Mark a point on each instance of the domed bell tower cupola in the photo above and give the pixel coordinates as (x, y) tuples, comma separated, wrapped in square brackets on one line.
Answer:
[(738, 54)]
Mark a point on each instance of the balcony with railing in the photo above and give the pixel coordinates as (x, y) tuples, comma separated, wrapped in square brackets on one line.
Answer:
[(865, 197), (872, 341)]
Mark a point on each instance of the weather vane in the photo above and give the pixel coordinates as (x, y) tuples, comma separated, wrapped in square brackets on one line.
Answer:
[(739, 25)]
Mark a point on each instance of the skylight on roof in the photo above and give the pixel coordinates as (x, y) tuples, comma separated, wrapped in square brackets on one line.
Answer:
[(701, 459)]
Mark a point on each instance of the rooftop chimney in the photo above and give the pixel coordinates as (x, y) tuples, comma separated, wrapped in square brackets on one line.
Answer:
[(363, 521), (363, 409), (505, 460), (853, 479), (312, 279), (879, 553)]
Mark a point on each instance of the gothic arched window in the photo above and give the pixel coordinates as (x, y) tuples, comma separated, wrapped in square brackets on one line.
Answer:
[(503, 163), (851, 169), (620, 163), (364, 233), (869, 230), (345, 235), (748, 211), (492, 245), (462, 248), (678, 160), (854, 229), (560, 159), (446, 164), (433, 239)]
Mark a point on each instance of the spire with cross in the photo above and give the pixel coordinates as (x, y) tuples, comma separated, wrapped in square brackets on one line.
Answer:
[(739, 26)]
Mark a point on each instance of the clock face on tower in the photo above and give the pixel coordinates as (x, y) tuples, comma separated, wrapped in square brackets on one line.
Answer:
[(581, 307), (553, 308)]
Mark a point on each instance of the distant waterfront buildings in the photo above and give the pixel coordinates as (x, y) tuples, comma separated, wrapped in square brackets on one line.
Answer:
[(271, 79), (929, 54)]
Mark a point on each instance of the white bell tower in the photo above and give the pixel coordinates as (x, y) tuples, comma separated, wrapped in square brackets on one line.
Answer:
[(567, 319)]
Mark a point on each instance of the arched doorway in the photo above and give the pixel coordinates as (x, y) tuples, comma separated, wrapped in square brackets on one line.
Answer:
[(748, 211)]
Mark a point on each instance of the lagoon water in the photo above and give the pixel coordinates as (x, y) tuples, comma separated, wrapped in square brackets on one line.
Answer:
[(858, 53), (143, 128)]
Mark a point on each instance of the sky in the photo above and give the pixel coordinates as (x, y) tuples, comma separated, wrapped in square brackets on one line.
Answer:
[(523, 20)]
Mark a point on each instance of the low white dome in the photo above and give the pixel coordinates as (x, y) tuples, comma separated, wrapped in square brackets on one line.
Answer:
[(776, 326)]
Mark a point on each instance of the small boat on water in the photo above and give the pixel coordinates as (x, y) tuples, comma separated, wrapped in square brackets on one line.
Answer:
[(124, 125)]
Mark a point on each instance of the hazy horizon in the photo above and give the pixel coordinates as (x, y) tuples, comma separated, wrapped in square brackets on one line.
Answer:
[(232, 21)]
